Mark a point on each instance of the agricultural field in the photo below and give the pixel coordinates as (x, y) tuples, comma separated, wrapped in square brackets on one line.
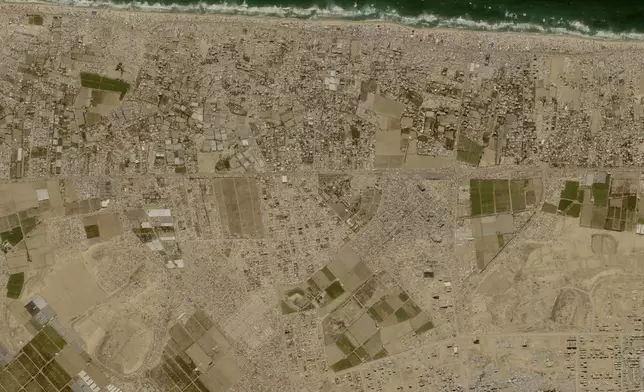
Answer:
[(469, 151), (34, 367), (495, 196), (98, 82), (36, 20), (601, 200), (366, 313), (215, 203), (14, 286), (196, 343)]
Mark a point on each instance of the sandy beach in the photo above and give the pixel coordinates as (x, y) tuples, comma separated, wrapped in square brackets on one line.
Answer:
[(471, 39)]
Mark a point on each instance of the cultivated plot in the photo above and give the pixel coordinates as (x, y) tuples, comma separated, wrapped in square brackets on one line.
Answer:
[(197, 358), (366, 314), (98, 82), (239, 207), (495, 196)]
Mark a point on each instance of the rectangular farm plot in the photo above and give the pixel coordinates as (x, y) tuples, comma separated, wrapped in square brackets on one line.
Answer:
[(14, 286), (517, 194), (502, 195), (98, 82), (497, 196), (218, 366), (486, 189), (239, 208)]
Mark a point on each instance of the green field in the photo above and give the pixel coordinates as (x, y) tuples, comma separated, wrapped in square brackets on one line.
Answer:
[(380, 311), (54, 337), (574, 210), (475, 197), (13, 236), (570, 190), (345, 345), (19, 372), (8, 382), (55, 373), (34, 357), (517, 191), (341, 365), (486, 188), (469, 151), (425, 327), (401, 315), (15, 284), (27, 364), (600, 192), (44, 382), (327, 272), (335, 290), (564, 204), (35, 20), (497, 196), (502, 195), (98, 82), (45, 346)]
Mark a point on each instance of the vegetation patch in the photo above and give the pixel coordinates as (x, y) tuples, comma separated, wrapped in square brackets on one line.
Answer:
[(600, 191), (27, 364), (286, 309), (28, 225), (19, 372), (563, 205), (574, 210), (502, 195), (33, 355), (55, 373), (381, 354), (55, 337), (363, 354), (517, 194), (403, 296), (354, 359), (335, 290), (36, 20), (327, 272), (487, 196), (341, 365), (411, 309), (374, 315), (425, 327), (45, 346), (549, 208), (8, 382), (45, 383), (313, 287), (469, 151), (13, 236), (570, 190), (475, 197), (345, 345), (15, 284), (380, 311), (98, 82), (91, 231), (401, 315)]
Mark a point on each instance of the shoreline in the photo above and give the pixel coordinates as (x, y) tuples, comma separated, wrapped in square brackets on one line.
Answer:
[(331, 16)]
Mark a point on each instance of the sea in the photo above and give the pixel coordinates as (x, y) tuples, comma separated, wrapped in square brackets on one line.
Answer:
[(603, 19)]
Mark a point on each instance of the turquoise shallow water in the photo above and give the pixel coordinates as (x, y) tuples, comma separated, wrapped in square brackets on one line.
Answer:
[(622, 19)]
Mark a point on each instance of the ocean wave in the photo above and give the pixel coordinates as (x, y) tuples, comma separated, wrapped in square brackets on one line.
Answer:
[(512, 23)]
